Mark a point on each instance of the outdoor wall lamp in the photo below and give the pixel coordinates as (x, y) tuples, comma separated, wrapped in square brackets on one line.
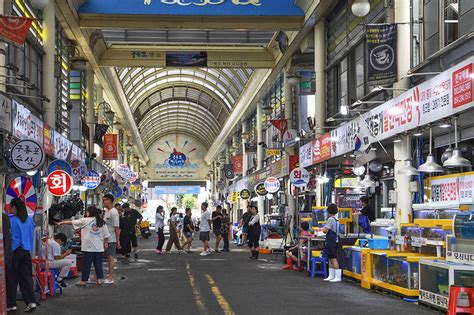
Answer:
[(360, 7)]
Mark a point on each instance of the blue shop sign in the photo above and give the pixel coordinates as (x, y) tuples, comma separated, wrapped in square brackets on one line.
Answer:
[(194, 7), (59, 165), (91, 180)]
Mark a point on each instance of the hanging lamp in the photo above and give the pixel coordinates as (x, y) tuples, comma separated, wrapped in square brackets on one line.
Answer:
[(430, 166), (408, 169), (367, 182), (456, 160)]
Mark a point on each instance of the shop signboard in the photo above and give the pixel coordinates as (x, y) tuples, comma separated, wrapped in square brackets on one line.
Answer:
[(306, 155), (181, 190), (62, 146), (235, 196), (250, 147), (272, 185), (273, 152), (457, 188), (238, 162), (59, 183), (124, 171), (59, 165), (35, 129), (434, 299), (21, 120), (79, 170), (135, 188), (27, 155), (5, 113), (299, 177), (260, 189), (322, 149), (229, 171), (293, 162), (280, 124), (244, 194), (48, 140), (289, 137), (91, 179), (442, 96)]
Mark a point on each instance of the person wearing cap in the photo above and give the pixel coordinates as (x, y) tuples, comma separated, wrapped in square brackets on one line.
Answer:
[(136, 219)]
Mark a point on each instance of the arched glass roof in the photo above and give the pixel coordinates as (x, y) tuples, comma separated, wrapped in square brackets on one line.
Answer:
[(195, 100)]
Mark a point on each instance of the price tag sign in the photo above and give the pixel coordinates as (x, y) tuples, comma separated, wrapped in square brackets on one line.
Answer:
[(27, 155), (418, 241), (399, 240)]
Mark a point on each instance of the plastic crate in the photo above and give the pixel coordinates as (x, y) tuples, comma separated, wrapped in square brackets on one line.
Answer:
[(378, 243)]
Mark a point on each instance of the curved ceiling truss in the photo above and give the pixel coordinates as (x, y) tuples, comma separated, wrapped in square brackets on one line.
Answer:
[(194, 101)]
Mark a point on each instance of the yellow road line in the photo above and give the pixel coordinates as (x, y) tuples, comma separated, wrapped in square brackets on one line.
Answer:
[(220, 298), (197, 294)]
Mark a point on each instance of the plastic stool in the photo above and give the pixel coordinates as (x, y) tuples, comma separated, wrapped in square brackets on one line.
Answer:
[(72, 273), (324, 269), (461, 300), (53, 284)]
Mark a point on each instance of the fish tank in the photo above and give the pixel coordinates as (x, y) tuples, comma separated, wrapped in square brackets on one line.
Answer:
[(380, 230), (344, 214), (396, 271), (464, 226), (435, 234), (411, 231), (436, 214), (434, 279), (352, 259), (319, 215)]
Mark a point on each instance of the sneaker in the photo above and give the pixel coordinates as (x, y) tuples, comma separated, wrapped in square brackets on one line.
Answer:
[(158, 251), (108, 281), (63, 284), (204, 253), (217, 251), (31, 308), (12, 309), (136, 256), (211, 250)]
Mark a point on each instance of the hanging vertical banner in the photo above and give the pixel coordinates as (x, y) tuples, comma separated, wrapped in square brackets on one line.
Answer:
[(48, 140), (229, 171), (100, 131), (14, 29), (238, 164), (280, 124), (382, 52), (110, 150), (5, 113), (250, 147), (21, 120)]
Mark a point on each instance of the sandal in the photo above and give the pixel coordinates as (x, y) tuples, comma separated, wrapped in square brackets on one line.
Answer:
[(81, 284)]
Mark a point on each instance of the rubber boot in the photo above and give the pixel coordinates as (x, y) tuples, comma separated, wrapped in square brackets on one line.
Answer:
[(331, 274), (337, 276), (256, 254), (289, 264), (253, 256)]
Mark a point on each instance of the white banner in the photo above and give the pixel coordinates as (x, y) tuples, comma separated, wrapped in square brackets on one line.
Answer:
[(35, 129), (446, 94), (62, 146), (5, 113), (21, 120), (459, 189), (306, 155)]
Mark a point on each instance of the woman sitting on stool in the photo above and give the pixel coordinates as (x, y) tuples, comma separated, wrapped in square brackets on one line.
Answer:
[(292, 252)]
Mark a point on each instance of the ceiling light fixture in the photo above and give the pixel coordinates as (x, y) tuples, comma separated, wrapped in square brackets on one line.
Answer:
[(456, 160), (430, 166), (408, 169)]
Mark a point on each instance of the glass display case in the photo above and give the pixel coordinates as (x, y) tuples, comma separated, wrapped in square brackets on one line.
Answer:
[(436, 276), (411, 231), (352, 259), (460, 246), (464, 226), (435, 234), (396, 271)]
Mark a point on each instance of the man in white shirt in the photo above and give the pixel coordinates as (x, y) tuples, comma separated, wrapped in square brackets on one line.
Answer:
[(56, 258), (112, 219), (205, 228)]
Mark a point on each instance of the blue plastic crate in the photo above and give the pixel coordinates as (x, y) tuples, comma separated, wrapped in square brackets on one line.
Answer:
[(378, 243)]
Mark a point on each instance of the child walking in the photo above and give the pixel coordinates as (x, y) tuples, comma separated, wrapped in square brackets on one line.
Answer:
[(332, 239)]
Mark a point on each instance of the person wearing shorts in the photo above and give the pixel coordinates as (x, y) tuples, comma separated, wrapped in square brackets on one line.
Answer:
[(112, 220), (188, 229), (244, 223), (205, 229), (217, 217)]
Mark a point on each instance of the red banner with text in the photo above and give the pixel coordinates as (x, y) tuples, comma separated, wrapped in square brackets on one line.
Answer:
[(238, 164), (110, 150), (14, 29)]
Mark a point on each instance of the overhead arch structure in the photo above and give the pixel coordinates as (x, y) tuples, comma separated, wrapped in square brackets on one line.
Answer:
[(194, 101)]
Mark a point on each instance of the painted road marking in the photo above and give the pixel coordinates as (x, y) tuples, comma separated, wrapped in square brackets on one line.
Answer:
[(161, 269), (197, 294), (211, 259), (220, 298)]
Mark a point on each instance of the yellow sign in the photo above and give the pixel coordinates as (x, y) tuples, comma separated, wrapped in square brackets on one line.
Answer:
[(135, 188), (235, 196), (273, 152)]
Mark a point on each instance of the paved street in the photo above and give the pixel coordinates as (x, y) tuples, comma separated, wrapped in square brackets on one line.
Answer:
[(219, 284)]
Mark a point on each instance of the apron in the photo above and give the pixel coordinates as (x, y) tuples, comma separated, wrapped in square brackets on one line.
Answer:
[(331, 240)]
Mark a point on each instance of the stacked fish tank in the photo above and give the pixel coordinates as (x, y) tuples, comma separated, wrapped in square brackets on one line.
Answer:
[(463, 240), (396, 271), (352, 259)]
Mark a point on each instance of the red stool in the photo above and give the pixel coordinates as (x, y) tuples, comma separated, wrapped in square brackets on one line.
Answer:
[(41, 278), (461, 300)]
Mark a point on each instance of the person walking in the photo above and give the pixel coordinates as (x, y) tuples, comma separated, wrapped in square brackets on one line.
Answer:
[(217, 226), (127, 227), (94, 240), (112, 219), (244, 224), (160, 225), (136, 218), (188, 230), (225, 229), (254, 233), (22, 228), (173, 231), (205, 229)]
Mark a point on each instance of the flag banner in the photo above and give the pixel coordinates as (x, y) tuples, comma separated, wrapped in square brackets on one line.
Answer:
[(100, 131), (110, 150), (280, 124), (229, 171), (381, 52), (14, 29), (238, 164), (250, 147)]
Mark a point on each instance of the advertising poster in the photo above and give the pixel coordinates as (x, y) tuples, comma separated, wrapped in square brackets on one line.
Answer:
[(5, 113), (381, 52)]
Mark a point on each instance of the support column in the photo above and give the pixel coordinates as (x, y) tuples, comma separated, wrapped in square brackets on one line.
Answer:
[(245, 164), (402, 152), (288, 90), (319, 68), (49, 61), (90, 114), (261, 200), (320, 100)]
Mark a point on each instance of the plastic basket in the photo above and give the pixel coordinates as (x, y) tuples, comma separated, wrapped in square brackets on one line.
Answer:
[(378, 243)]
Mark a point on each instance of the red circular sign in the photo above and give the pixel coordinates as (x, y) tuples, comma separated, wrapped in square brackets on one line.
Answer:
[(59, 183)]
